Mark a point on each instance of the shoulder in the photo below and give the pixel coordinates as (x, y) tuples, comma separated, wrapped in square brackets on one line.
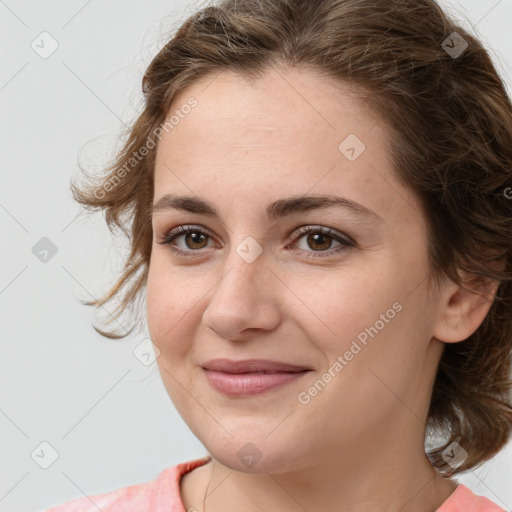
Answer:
[(157, 495), (464, 500)]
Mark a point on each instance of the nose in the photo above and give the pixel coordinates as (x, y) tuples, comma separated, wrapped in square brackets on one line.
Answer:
[(245, 300)]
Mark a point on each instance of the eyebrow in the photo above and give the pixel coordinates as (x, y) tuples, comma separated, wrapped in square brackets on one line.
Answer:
[(277, 209)]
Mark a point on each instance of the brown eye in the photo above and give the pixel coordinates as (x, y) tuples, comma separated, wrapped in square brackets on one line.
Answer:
[(190, 241), (195, 240), (320, 240), (186, 240)]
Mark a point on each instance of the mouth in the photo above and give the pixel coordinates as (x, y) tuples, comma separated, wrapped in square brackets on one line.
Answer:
[(253, 366), (250, 377)]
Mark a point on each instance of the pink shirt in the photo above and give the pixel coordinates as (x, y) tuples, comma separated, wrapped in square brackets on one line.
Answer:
[(163, 495)]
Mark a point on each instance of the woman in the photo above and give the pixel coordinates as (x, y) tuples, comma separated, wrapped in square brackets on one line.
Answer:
[(316, 199)]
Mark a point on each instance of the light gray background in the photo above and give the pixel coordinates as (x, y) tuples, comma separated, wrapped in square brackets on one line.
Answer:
[(107, 415)]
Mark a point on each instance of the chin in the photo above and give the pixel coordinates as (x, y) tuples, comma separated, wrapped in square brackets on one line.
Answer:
[(254, 455), (249, 458)]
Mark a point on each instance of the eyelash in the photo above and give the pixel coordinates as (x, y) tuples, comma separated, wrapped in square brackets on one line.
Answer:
[(345, 241)]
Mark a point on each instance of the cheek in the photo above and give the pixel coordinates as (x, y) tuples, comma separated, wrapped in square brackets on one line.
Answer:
[(336, 308), (170, 319), (368, 317), (366, 326), (169, 307)]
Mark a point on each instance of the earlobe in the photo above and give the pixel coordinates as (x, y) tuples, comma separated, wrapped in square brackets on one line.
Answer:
[(463, 310)]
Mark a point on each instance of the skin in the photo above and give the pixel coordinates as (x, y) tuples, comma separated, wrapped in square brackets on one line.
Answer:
[(359, 443)]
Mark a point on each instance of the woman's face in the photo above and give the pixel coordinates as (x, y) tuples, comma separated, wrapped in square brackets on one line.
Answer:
[(350, 305)]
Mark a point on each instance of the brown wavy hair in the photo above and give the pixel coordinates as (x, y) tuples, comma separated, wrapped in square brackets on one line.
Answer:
[(450, 120)]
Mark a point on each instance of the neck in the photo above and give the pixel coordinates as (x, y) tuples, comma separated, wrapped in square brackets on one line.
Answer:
[(345, 480)]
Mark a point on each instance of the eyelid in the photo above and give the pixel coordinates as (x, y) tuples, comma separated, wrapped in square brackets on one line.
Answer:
[(321, 229), (183, 229)]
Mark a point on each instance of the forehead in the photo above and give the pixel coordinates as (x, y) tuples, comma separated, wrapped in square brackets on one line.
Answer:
[(290, 100), (291, 128)]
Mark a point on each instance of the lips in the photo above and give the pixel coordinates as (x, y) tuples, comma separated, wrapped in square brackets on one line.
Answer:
[(240, 379), (261, 366)]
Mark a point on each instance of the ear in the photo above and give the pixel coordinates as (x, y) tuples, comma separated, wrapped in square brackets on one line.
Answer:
[(463, 308)]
